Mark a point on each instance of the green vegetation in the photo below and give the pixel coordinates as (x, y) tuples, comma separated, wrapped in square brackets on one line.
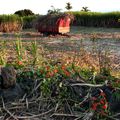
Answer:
[(25, 12), (68, 6), (10, 23), (28, 17), (95, 19), (54, 10), (28, 21), (85, 9)]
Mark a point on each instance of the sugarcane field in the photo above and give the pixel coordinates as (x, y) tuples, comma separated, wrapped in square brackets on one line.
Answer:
[(59, 65)]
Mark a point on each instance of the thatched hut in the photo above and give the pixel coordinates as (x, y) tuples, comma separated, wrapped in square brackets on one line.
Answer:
[(54, 23)]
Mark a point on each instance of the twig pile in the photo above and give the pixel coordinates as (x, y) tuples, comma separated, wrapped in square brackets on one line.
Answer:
[(35, 106)]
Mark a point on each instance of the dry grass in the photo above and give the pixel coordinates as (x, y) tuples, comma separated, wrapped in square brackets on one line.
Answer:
[(10, 23), (10, 27)]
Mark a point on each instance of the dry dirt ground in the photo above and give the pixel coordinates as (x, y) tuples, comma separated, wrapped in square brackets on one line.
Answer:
[(90, 39)]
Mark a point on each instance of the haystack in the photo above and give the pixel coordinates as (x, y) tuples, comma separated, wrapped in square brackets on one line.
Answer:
[(47, 22)]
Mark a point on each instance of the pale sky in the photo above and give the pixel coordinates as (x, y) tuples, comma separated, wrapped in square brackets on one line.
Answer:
[(42, 6)]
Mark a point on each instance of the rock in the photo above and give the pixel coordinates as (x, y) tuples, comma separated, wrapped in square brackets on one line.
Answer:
[(8, 77), (11, 93)]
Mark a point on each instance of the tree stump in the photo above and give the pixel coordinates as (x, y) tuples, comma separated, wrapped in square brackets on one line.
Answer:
[(8, 77)]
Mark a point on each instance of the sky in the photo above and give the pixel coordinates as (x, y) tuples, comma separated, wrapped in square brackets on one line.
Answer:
[(42, 6)]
